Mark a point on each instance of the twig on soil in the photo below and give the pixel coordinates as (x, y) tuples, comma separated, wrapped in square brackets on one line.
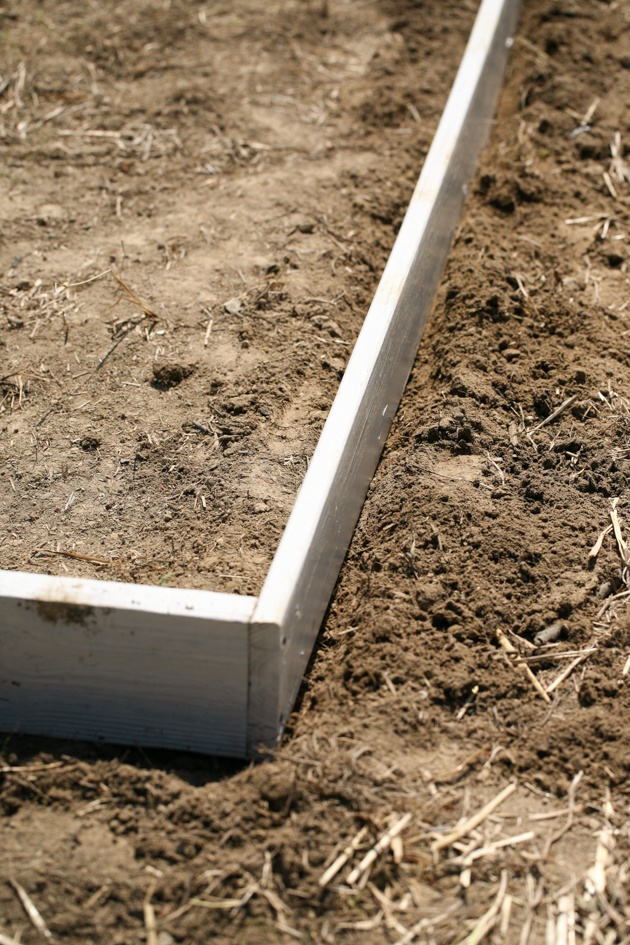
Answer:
[(523, 667), (553, 657), (488, 920), (24, 769), (463, 829), (554, 414), (454, 774), (372, 855), (579, 221), (587, 117), (566, 672), (31, 910), (618, 167), (414, 932), (595, 880), (150, 923), (342, 859), (552, 814), (597, 547), (45, 552), (127, 331), (127, 294), (469, 858), (565, 924), (388, 908), (571, 811), (7, 940), (497, 467)]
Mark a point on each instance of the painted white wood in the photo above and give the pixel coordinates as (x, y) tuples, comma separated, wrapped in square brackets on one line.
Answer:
[(304, 570), (124, 663), (219, 673)]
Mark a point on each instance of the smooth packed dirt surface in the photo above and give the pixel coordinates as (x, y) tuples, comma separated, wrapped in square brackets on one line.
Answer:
[(256, 166), (197, 204)]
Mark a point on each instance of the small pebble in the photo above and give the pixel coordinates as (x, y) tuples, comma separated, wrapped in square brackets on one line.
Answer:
[(233, 306)]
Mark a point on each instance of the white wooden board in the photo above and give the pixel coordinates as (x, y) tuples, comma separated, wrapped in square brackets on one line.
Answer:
[(219, 673), (123, 663)]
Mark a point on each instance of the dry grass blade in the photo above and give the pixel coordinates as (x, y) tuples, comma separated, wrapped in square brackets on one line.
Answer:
[(493, 848), (74, 285), (488, 920), (342, 859), (31, 910), (128, 294), (220, 904), (413, 932), (463, 829), (556, 413), (619, 169), (46, 552), (512, 652), (551, 657), (595, 881), (566, 672)]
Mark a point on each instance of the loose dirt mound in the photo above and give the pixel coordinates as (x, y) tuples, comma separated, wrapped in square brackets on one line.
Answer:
[(503, 467)]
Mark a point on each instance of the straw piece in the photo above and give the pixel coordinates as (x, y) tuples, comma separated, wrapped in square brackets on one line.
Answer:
[(624, 554), (556, 413), (378, 848), (597, 547), (342, 859), (566, 672), (442, 842), (31, 909), (488, 920), (511, 650)]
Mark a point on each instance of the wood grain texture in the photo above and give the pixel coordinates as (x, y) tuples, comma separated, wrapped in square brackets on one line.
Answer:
[(123, 663), (304, 570)]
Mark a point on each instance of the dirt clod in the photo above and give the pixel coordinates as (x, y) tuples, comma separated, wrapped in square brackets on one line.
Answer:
[(166, 376)]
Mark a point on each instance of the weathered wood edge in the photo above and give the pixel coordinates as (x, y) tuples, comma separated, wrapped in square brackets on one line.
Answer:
[(124, 663), (273, 638), (305, 567)]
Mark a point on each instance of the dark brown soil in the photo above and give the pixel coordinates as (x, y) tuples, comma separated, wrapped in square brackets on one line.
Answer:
[(505, 460)]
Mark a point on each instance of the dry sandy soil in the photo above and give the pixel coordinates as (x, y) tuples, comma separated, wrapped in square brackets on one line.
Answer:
[(230, 177)]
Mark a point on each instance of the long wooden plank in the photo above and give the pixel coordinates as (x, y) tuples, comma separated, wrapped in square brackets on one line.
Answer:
[(215, 672), (123, 663), (304, 570)]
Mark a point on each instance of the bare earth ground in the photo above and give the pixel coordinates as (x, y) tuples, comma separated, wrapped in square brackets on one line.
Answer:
[(227, 169), (503, 467)]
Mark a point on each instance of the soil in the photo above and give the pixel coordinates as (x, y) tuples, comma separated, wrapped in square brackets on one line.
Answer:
[(257, 161), (198, 203)]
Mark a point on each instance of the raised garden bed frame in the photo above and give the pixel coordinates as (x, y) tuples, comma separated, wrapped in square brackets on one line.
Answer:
[(219, 673)]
